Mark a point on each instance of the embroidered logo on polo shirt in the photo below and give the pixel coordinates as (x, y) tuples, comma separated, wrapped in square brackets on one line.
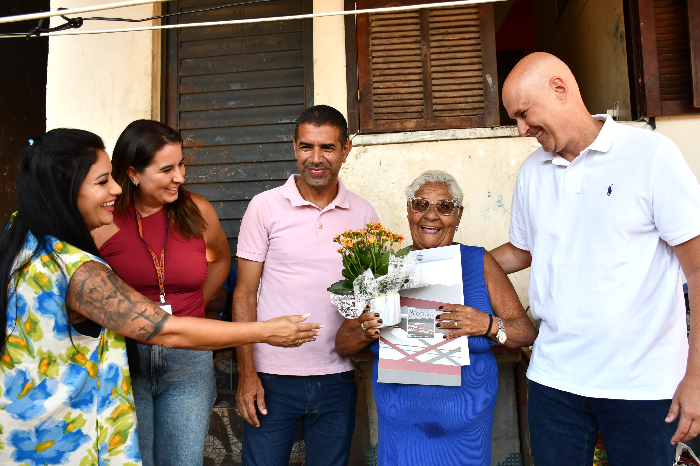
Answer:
[(610, 190)]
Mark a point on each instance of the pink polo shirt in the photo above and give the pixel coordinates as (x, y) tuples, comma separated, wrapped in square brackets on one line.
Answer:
[(294, 238)]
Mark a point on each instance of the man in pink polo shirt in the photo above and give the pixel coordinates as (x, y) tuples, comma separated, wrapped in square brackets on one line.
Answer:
[(286, 248)]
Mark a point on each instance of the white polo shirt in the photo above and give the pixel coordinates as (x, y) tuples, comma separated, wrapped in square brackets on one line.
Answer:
[(604, 281)]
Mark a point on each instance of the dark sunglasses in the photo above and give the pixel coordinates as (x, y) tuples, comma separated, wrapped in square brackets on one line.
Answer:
[(421, 205)]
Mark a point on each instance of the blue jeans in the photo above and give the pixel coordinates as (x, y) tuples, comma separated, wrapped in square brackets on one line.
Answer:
[(173, 404), (325, 404), (564, 429)]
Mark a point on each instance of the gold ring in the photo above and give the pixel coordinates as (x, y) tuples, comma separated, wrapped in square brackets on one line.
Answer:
[(299, 342)]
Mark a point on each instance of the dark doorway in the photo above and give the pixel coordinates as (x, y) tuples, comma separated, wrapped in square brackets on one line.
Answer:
[(515, 38), (22, 94)]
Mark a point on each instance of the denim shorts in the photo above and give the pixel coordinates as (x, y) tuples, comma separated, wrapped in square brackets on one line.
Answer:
[(173, 402)]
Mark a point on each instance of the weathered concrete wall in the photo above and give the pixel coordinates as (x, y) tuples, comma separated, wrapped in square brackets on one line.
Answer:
[(485, 169), (590, 38), (101, 83)]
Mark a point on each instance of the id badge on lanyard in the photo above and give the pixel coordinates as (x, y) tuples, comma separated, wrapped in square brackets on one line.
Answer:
[(167, 306), (160, 266)]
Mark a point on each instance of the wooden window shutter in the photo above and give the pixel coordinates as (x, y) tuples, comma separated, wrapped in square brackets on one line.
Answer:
[(426, 69), (669, 41)]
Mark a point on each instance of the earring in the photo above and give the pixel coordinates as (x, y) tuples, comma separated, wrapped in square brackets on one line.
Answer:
[(136, 183), (457, 228)]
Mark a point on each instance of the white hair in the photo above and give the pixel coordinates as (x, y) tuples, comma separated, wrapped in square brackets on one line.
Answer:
[(436, 176)]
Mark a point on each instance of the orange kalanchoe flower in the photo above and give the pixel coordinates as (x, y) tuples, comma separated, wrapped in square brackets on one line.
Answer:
[(373, 234), (369, 248)]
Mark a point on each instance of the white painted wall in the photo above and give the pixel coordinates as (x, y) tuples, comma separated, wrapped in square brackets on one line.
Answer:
[(101, 83), (329, 57)]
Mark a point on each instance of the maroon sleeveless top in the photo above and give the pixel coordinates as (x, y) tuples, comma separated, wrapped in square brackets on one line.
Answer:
[(186, 264)]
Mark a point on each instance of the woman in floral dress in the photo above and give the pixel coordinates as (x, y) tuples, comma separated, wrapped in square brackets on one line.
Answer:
[(65, 388)]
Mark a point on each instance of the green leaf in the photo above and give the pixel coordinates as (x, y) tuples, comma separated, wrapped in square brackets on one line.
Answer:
[(347, 284), (385, 258), (341, 287), (383, 269), (404, 252), (348, 274), (365, 260)]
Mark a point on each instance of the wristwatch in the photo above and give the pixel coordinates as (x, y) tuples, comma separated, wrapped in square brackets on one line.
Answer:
[(501, 336)]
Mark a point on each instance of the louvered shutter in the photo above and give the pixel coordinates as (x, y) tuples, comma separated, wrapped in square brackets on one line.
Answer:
[(396, 66), (426, 69), (456, 62), (670, 56)]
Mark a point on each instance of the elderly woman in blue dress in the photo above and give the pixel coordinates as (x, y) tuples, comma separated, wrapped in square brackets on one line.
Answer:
[(439, 425)]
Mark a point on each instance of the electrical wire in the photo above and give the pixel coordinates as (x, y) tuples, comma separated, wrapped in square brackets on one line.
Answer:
[(73, 11), (75, 23), (179, 13), (262, 20)]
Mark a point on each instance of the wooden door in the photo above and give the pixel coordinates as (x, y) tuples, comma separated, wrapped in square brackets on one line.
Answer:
[(233, 92)]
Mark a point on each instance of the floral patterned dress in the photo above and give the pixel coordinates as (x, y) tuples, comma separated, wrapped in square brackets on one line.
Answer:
[(61, 402)]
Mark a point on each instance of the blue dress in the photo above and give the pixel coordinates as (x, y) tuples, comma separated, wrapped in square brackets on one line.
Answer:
[(435, 425)]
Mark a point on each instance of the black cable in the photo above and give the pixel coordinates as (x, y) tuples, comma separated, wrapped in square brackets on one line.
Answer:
[(127, 20), (75, 23), (71, 23)]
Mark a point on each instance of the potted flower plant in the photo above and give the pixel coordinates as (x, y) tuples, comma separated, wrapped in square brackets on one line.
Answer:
[(372, 273)]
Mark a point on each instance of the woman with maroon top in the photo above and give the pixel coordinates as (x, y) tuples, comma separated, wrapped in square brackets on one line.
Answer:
[(167, 244)]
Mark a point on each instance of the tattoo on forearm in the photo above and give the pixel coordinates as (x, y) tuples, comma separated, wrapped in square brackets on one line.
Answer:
[(98, 293), (157, 327)]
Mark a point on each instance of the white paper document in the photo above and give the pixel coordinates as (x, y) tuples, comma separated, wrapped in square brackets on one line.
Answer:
[(415, 352)]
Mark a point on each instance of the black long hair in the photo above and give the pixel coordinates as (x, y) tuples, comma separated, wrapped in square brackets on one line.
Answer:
[(136, 148), (51, 171)]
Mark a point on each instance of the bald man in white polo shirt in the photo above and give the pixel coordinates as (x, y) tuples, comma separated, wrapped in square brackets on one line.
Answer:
[(603, 214)]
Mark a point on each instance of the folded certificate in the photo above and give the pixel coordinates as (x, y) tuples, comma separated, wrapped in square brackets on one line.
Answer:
[(415, 352)]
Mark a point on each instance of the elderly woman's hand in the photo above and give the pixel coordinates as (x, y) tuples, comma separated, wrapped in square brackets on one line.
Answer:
[(463, 320), (355, 334), (368, 323)]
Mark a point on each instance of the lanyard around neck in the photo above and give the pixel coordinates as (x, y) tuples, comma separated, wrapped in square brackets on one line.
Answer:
[(160, 266)]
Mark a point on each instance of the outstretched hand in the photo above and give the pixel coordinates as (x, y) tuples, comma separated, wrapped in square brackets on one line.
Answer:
[(289, 331)]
